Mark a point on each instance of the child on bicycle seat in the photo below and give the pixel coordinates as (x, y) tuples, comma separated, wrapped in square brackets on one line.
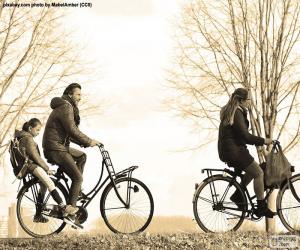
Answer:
[(39, 168)]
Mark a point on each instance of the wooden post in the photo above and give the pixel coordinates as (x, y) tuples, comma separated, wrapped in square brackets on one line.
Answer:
[(271, 222)]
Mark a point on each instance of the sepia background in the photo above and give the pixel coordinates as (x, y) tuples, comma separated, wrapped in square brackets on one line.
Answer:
[(128, 49)]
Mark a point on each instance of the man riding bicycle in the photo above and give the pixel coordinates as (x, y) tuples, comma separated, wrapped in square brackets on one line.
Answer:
[(61, 128)]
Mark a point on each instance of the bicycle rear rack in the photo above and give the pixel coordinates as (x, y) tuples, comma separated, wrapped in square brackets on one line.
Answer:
[(228, 171)]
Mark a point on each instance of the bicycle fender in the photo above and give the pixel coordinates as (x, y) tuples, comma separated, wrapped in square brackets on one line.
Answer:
[(291, 187), (205, 180), (29, 183)]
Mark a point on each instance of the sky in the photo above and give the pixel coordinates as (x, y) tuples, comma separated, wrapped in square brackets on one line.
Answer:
[(130, 44)]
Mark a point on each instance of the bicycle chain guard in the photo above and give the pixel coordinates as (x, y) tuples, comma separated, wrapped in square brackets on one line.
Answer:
[(82, 215)]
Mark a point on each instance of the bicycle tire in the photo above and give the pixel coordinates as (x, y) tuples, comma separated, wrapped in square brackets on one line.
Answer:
[(287, 203), (109, 193), (203, 188), (34, 231)]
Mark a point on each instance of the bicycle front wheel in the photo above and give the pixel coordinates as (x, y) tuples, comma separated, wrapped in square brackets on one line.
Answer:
[(288, 206), (27, 206), (213, 209), (133, 218)]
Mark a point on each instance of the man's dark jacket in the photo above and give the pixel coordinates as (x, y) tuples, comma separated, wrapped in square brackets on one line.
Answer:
[(233, 139), (61, 127)]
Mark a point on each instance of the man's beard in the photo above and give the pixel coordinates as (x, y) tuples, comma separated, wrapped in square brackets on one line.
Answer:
[(75, 102)]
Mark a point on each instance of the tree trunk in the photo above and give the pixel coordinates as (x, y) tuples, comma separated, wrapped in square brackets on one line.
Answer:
[(271, 222)]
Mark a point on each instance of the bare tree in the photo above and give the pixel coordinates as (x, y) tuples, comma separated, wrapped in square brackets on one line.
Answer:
[(226, 44), (37, 59)]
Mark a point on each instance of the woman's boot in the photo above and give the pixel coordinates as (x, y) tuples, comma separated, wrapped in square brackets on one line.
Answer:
[(263, 210), (237, 198), (38, 217)]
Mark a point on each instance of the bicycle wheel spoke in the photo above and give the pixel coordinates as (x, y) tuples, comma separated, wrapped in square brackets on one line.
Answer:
[(135, 219), (138, 213), (290, 207), (205, 199), (112, 208), (117, 216), (30, 199)]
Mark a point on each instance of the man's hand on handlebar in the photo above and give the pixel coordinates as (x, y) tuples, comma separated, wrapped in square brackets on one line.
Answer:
[(268, 141), (95, 143)]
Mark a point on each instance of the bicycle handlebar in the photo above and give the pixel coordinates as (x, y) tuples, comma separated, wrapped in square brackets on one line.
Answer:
[(275, 142), (101, 147)]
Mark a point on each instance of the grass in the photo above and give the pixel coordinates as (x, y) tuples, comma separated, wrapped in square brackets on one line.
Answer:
[(236, 240)]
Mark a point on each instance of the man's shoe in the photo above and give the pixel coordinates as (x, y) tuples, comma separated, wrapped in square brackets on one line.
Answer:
[(39, 218), (237, 198), (263, 210), (70, 210)]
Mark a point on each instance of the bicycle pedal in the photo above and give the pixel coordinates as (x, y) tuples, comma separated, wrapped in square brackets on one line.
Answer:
[(72, 223), (47, 213)]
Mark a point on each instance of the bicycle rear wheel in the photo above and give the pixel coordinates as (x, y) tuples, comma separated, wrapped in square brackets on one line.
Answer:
[(132, 219), (213, 209), (27, 206), (288, 206)]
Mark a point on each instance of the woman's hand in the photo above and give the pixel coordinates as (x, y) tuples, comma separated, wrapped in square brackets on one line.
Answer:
[(268, 141)]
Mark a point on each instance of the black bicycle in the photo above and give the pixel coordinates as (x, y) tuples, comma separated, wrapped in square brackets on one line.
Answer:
[(126, 204), (215, 212)]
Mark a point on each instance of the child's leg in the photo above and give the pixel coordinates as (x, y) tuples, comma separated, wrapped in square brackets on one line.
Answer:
[(46, 180)]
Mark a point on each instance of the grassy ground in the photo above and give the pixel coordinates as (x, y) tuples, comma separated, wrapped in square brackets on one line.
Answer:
[(239, 240)]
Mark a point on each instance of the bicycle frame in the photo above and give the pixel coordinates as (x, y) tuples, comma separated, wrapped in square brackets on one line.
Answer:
[(233, 175), (112, 176)]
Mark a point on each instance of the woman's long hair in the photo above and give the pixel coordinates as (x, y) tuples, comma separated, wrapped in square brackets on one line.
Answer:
[(228, 111)]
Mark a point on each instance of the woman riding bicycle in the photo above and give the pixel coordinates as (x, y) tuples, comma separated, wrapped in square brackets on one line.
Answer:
[(232, 149), (39, 168)]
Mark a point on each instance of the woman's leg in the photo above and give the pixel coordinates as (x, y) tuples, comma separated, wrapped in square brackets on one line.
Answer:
[(46, 182), (254, 171)]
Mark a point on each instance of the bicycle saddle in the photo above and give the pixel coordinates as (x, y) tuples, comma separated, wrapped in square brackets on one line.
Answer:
[(236, 171)]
